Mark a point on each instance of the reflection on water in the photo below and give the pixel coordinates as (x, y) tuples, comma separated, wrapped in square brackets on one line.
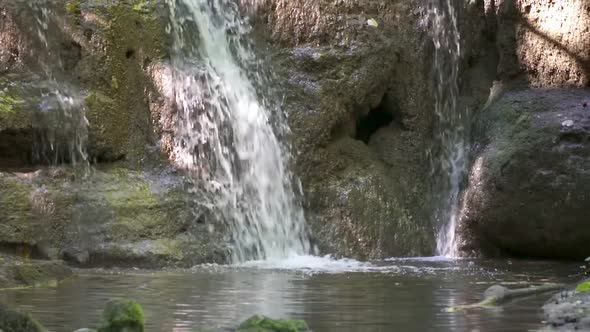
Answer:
[(396, 295)]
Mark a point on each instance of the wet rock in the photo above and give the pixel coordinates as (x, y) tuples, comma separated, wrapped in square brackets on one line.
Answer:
[(260, 323), (14, 321), (122, 315), (569, 310), (361, 109), (112, 216), (529, 187), (102, 52)]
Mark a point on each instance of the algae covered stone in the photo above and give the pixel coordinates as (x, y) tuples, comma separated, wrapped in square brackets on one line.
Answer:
[(122, 315), (261, 323), (14, 321)]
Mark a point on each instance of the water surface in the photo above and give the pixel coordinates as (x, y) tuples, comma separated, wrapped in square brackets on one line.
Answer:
[(394, 295)]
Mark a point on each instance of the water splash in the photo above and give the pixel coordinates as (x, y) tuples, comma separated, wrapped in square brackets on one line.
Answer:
[(451, 161), (225, 134)]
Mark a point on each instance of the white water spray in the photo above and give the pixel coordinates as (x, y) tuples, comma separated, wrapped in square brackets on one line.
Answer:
[(225, 137), (452, 125)]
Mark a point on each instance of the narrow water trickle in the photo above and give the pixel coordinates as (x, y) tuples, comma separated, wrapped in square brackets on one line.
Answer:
[(449, 163), (60, 121), (227, 136)]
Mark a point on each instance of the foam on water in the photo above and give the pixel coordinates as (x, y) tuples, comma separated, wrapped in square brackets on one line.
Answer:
[(326, 264), (330, 265)]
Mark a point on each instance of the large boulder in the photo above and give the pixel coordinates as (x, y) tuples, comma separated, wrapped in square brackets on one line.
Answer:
[(529, 188), (111, 216)]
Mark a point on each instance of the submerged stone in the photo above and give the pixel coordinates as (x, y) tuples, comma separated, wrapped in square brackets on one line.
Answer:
[(14, 321), (261, 323), (122, 315)]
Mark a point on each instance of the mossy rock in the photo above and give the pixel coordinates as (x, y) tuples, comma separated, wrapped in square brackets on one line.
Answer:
[(122, 315), (14, 321), (261, 323)]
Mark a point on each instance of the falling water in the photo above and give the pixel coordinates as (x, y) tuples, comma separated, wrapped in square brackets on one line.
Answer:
[(60, 122), (451, 161), (227, 134)]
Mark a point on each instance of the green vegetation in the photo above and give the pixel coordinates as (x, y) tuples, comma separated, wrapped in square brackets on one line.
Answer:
[(122, 315), (8, 103), (260, 323), (583, 287)]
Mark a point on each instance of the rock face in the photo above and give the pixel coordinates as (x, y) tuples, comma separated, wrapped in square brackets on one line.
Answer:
[(108, 57), (356, 78), (530, 185), (114, 216), (544, 43), (101, 55), (361, 111), (357, 94)]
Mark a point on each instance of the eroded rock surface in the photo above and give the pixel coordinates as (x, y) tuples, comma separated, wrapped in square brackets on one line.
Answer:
[(112, 217), (530, 185)]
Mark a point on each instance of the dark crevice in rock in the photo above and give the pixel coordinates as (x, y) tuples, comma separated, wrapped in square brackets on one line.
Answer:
[(15, 148), (381, 116), (23, 250), (130, 54)]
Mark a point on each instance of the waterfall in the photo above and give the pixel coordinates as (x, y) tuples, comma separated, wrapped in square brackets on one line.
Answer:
[(228, 134), (449, 165)]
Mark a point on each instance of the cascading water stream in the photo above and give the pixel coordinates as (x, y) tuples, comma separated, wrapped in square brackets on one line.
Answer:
[(227, 135), (450, 164)]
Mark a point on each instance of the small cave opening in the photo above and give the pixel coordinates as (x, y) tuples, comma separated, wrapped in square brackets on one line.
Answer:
[(381, 116), (130, 54)]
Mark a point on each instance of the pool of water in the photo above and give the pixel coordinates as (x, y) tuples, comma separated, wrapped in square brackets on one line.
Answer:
[(345, 295)]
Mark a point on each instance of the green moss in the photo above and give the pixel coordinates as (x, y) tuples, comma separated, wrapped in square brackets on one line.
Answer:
[(583, 287), (139, 211), (8, 103), (171, 249), (122, 315), (73, 7), (16, 213), (260, 323)]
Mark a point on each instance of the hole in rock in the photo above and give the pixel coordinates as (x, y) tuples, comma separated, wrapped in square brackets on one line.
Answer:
[(130, 53), (23, 250), (381, 116), (15, 149)]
